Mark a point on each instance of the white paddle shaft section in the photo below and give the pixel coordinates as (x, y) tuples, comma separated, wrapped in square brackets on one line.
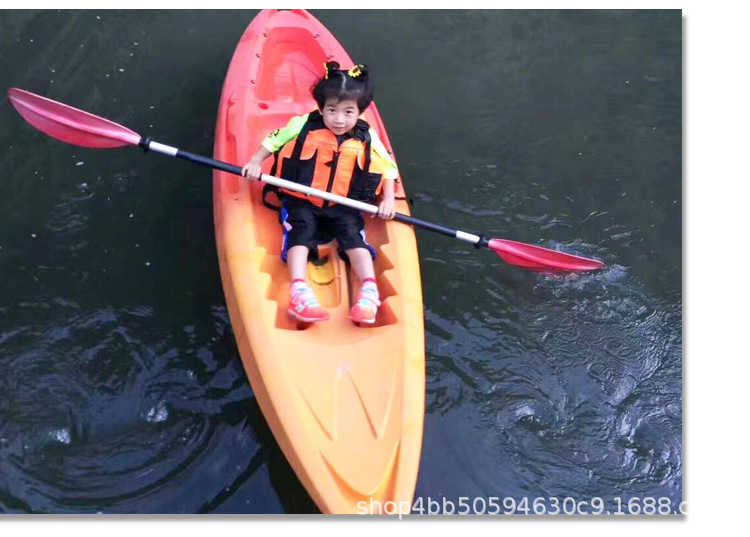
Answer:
[(468, 237), (162, 148), (310, 191)]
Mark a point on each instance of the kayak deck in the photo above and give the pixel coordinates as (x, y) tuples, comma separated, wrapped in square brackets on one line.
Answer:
[(345, 403)]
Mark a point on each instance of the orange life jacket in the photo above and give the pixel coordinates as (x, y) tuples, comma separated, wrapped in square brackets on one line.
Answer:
[(315, 158)]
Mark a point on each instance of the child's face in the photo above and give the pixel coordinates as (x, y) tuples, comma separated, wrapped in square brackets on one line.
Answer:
[(340, 116)]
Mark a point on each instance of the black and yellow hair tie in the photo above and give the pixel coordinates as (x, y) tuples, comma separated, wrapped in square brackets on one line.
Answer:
[(355, 71), (325, 66)]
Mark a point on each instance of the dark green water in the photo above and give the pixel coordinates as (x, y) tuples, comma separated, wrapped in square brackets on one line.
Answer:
[(121, 388)]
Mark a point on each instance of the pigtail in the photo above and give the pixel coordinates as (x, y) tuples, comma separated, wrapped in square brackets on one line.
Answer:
[(361, 74), (330, 68)]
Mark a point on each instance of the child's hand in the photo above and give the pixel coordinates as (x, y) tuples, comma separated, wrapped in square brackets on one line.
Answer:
[(387, 209), (252, 171)]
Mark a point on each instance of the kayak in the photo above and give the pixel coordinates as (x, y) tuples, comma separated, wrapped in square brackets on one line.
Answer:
[(344, 402)]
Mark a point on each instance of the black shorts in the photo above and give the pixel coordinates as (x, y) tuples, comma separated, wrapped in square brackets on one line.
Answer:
[(308, 225)]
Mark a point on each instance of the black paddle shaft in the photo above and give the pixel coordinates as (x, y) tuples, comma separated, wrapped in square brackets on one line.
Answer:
[(211, 163), (443, 230)]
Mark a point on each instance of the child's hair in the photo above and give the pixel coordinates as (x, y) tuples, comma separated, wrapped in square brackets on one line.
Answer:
[(341, 85)]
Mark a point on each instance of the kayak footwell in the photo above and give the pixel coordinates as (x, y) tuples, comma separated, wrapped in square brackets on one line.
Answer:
[(339, 287)]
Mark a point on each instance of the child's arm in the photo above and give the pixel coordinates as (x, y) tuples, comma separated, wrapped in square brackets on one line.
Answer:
[(252, 169), (272, 143), (391, 170), (387, 207)]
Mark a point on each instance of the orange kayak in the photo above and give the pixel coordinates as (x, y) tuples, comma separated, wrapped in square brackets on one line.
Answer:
[(345, 403)]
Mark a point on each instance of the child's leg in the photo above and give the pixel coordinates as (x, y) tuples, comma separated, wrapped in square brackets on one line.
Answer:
[(365, 309), (296, 262), (361, 261), (303, 304)]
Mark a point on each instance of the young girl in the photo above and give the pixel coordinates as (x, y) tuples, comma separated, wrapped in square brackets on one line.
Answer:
[(330, 149)]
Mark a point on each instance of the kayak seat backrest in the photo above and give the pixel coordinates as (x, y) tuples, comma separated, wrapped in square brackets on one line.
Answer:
[(279, 79)]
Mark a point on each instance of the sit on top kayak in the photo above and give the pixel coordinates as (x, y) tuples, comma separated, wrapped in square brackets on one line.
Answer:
[(345, 403)]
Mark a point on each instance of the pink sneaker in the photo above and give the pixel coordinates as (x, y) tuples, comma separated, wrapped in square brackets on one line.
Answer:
[(366, 308), (306, 308)]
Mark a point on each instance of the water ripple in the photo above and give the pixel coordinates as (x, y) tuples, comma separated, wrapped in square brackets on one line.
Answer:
[(580, 384), (99, 412)]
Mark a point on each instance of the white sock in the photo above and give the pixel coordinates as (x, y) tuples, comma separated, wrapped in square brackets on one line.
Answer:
[(371, 288), (297, 287)]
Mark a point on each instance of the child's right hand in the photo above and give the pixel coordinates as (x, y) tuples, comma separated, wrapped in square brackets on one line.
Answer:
[(252, 171)]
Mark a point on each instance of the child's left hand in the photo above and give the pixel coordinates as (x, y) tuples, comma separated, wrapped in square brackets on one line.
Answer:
[(387, 209)]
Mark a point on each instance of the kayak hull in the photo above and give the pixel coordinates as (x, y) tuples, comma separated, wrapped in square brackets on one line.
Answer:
[(344, 402)]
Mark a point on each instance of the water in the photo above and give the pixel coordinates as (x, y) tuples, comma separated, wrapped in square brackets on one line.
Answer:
[(122, 389)]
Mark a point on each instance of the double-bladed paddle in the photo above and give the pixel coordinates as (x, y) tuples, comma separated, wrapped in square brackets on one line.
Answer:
[(81, 128)]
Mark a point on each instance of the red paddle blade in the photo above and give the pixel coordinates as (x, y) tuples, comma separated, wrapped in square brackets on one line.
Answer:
[(70, 124), (527, 255)]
